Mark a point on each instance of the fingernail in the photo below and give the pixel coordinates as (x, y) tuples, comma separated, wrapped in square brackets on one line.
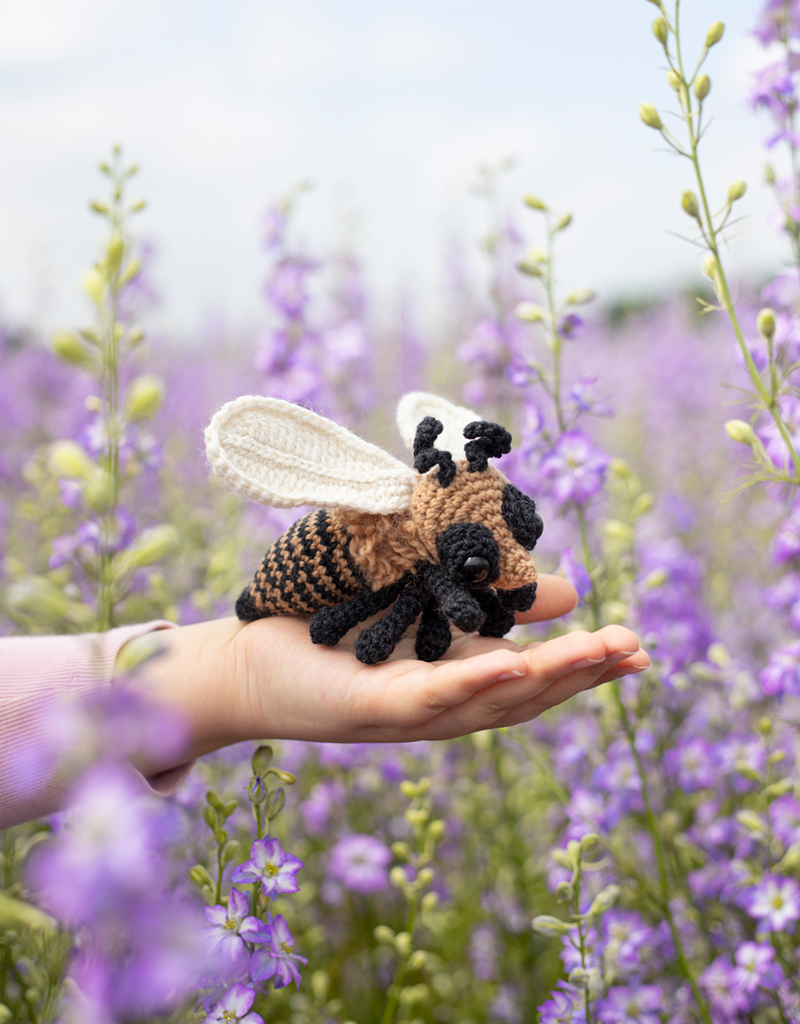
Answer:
[(615, 659), (508, 675), (587, 662)]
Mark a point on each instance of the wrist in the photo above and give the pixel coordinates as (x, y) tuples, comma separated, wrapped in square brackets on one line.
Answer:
[(189, 670)]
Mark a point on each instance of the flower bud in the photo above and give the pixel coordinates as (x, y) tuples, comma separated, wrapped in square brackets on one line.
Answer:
[(702, 87), (649, 115), (740, 431), (152, 545), (71, 349), (546, 924), (94, 285), (565, 893), (779, 788), (765, 322), (130, 272), (563, 221), (673, 80), (285, 777), (99, 492), (604, 900), (384, 934), (751, 821), (530, 312), (769, 174), (260, 760), (580, 297), (425, 877), (35, 597), (689, 203), (320, 986), (398, 877), (15, 913), (417, 959), (401, 850), (436, 829), (145, 397), (97, 207), (531, 269), (533, 201), (714, 34), (589, 842), (736, 191), (661, 30), (199, 875), (402, 943), (69, 459), (230, 851), (116, 247), (408, 789), (429, 901)]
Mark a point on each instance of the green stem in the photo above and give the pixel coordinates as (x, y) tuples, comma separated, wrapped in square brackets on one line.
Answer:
[(397, 984), (769, 401)]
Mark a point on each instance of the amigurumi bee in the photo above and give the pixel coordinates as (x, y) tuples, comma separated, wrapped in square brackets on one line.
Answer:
[(448, 541)]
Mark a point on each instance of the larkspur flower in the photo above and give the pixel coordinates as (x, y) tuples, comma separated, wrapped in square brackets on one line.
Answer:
[(721, 984), (774, 902), (565, 1006), (575, 468), (276, 960), (233, 1007), (230, 927), (756, 966), (272, 866), (631, 1004), (360, 863)]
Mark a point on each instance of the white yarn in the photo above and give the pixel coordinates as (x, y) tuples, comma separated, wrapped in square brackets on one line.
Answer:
[(416, 405), (280, 454)]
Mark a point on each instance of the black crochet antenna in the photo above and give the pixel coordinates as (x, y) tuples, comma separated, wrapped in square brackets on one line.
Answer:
[(426, 456), (490, 442)]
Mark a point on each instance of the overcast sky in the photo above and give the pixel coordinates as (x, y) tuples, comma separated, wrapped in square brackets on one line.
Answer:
[(386, 107)]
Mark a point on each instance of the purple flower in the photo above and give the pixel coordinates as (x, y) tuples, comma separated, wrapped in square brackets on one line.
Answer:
[(781, 677), (565, 1006), (575, 572), (272, 866), (230, 927), (277, 960), (575, 468), (774, 902), (721, 982), (692, 763), (484, 952), (570, 325), (359, 862), (787, 540), (756, 967), (233, 1007), (632, 1003)]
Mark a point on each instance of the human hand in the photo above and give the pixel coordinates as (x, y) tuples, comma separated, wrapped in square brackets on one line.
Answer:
[(235, 681)]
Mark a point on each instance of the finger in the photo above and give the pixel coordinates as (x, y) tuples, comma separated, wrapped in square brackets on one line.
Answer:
[(555, 597), (581, 657), (628, 667)]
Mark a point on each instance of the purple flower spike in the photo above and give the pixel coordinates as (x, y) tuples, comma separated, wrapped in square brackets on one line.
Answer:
[(359, 862), (277, 961), (230, 928), (639, 1003), (271, 865), (233, 1007)]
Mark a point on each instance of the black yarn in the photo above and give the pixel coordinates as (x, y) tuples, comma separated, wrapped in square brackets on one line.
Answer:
[(246, 608), (519, 600), (376, 643), (490, 442), (464, 541), (499, 619), (433, 634), (329, 625), (519, 512), (426, 456)]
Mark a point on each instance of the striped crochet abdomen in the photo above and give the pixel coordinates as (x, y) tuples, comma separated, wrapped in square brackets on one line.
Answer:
[(308, 567)]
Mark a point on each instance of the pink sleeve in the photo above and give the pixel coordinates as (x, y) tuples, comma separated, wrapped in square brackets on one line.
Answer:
[(34, 672)]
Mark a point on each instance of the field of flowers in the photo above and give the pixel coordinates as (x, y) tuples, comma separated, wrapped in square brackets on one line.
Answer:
[(631, 857)]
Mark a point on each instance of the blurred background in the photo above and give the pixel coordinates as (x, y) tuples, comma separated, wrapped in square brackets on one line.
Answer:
[(386, 109)]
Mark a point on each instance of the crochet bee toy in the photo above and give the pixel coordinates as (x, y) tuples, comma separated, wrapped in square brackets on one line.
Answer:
[(448, 541)]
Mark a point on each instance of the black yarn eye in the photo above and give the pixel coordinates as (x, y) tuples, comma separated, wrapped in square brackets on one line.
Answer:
[(476, 570), (519, 512)]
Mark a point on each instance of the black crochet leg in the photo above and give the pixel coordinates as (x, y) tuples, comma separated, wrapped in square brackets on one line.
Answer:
[(329, 625), (519, 600), (498, 619), (375, 643), (458, 605), (433, 635)]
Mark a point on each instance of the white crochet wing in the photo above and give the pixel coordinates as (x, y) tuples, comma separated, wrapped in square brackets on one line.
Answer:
[(415, 406), (279, 454)]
